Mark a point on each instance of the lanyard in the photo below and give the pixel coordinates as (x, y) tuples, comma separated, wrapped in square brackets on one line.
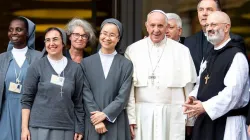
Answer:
[(18, 81)]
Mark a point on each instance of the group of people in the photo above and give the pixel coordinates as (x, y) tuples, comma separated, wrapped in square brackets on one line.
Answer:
[(166, 87)]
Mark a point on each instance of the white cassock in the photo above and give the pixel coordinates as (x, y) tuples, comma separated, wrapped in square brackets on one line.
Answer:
[(235, 95), (155, 105)]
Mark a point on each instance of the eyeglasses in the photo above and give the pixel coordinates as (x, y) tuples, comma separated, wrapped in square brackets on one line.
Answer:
[(83, 36), (111, 35), (212, 25), (54, 40)]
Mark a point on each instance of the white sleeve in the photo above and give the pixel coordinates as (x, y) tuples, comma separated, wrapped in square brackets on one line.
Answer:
[(235, 94), (188, 88), (131, 102), (131, 107)]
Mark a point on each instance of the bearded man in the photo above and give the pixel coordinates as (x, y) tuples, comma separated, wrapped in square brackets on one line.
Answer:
[(222, 89)]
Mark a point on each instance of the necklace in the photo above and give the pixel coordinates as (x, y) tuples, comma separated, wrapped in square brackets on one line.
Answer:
[(18, 81), (152, 76), (61, 78)]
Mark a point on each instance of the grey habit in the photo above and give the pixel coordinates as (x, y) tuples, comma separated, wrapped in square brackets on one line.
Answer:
[(108, 95)]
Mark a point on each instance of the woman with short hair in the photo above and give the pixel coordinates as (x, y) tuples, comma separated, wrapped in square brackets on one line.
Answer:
[(81, 34)]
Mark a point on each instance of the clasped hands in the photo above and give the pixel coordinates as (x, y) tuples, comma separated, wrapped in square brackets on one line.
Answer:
[(97, 119), (193, 107)]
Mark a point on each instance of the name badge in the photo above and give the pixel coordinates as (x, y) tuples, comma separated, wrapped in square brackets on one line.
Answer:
[(57, 80), (14, 87)]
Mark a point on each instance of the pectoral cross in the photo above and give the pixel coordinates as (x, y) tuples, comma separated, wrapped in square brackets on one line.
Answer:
[(152, 77), (206, 78)]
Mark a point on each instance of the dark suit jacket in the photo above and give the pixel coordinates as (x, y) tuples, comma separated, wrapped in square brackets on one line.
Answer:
[(182, 39)]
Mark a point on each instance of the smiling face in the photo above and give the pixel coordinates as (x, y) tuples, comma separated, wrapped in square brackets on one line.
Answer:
[(17, 33), (156, 26), (217, 28), (109, 37), (204, 9), (78, 38), (53, 43)]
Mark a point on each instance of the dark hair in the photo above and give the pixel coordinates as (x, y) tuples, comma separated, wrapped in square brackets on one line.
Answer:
[(218, 5), (26, 24), (51, 29), (54, 28)]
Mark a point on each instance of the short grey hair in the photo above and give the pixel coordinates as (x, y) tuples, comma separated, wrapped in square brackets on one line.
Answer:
[(87, 27), (159, 11), (176, 18)]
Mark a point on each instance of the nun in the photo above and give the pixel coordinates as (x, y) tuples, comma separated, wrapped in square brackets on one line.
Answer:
[(52, 107), (14, 63), (107, 83)]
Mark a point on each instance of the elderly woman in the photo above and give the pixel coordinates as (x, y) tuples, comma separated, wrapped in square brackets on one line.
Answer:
[(14, 64), (81, 34), (52, 107), (107, 84)]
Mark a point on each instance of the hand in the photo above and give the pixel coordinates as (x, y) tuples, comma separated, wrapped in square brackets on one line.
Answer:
[(100, 128), (97, 117), (248, 130), (25, 134), (194, 109), (132, 130), (78, 136), (190, 100)]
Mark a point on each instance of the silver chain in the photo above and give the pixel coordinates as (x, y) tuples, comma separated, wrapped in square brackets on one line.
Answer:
[(153, 69)]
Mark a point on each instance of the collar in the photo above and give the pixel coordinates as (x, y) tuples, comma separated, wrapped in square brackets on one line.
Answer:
[(222, 45), (111, 54), (157, 44), (23, 50), (55, 61), (179, 40)]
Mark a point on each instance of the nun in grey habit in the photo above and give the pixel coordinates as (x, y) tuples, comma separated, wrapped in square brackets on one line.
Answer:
[(52, 106), (107, 84)]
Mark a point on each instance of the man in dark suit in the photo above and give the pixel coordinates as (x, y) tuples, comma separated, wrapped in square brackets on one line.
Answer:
[(174, 29), (198, 45)]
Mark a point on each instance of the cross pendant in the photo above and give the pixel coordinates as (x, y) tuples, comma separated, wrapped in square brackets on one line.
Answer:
[(61, 92), (206, 78), (152, 77), (18, 81)]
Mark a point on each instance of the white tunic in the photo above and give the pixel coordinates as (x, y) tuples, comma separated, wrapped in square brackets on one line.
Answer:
[(157, 108), (19, 55), (106, 60), (235, 95), (58, 65)]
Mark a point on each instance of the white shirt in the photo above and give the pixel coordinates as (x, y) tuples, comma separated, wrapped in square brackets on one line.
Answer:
[(19, 55), (58, 65), (106, 60)]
